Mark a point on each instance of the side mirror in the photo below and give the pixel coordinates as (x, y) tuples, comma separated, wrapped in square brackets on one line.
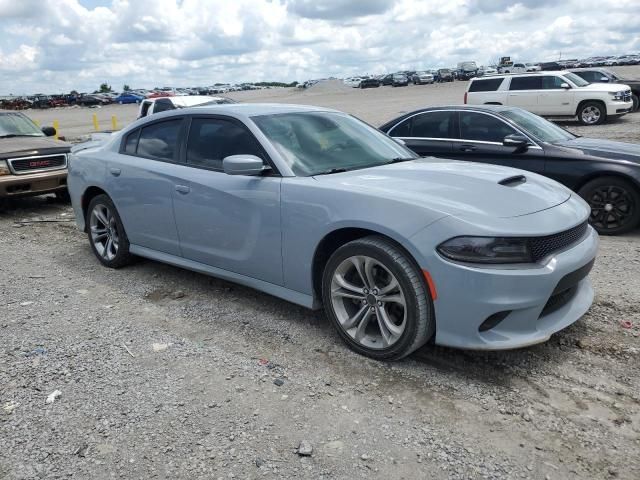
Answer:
[(517, 141), (566, 86), (244, 165), (604, 79), (49, 131)]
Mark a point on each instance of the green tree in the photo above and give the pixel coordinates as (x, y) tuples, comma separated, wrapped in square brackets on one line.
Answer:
[(126, 88), (105, 88)]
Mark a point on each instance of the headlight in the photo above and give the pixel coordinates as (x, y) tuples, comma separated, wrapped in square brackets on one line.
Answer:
[(487, 250), (4, 168), (617, 95)]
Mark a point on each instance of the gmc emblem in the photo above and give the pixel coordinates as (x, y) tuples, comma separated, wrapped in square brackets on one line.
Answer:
[(39, 163)]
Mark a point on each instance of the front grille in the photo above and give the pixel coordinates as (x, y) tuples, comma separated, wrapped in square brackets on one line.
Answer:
[(38, 163), (543, 246), (626, 95)]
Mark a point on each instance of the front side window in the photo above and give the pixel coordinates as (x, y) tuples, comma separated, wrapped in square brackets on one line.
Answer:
[(537, 127), (526, 83), (160, 140), (432, 125), (314, 143), (212, 139), (552, 83), (131, 142), (483, 128)]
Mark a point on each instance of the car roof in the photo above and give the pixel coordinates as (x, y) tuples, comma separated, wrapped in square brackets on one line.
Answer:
[(471, 108), (524, 74), (255, 109)]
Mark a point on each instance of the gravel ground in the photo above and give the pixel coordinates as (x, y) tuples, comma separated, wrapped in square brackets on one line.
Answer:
[(165, 373)]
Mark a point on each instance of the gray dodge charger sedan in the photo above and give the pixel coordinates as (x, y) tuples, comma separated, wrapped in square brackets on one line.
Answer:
[(318, 208)]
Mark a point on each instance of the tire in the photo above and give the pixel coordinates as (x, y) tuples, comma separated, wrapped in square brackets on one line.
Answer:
[(410, 320), (592, 113), (63, 196), (118, 254), (615, 205), (634, 99)]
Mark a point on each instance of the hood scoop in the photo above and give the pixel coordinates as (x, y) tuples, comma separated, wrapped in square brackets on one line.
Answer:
[(513, 181)]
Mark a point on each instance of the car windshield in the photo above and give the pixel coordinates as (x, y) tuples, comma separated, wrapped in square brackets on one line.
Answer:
[(315, 143), (539, 128), (17, 125), (578, 81)]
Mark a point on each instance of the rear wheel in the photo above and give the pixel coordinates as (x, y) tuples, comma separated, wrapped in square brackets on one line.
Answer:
[(615, 205), (377, 300), (107, 237), (592, 113)]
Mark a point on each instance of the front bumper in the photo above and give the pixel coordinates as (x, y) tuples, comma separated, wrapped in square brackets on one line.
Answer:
[(619, 108), (33, 184), (468, 296)]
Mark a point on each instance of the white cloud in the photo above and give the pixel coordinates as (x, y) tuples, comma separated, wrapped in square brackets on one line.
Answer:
[(71, 44)]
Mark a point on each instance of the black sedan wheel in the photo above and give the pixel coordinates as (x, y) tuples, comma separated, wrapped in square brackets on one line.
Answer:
[(615, 205)]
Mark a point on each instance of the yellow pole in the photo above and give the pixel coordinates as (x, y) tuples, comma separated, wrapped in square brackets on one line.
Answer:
[(56, 127), (96, 125), (114, 122)]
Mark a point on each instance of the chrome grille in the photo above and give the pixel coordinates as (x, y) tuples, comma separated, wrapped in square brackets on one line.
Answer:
[(38, 163)]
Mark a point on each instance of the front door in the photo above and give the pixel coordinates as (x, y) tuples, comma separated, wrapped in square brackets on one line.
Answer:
[(555, 100), (480, 140), (227, 221)]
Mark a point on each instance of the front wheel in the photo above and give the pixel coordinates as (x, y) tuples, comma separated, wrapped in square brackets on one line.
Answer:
[(592, 113), (107, 237), (615, 205), (634, 99), (377, 299)]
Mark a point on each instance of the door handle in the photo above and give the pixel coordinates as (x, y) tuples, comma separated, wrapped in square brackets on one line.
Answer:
[(183, 189), (468, 148), (115, 172)]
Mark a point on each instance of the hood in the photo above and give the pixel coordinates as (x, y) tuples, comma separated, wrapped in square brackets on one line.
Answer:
[(10, 147), (455, 188), (605, 87), (604, 148)]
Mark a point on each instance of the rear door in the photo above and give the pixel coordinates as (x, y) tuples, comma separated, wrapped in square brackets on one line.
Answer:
[(555, 100), (523, 92), (428, 133), (480, 139), (230, 222), (141, 179)]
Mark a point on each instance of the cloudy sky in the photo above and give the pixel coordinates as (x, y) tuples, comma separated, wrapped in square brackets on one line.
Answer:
[(55, 46)]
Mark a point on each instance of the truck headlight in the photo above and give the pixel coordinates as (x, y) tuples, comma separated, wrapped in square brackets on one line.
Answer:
[(617, 95), (487, 250), (4, 168)]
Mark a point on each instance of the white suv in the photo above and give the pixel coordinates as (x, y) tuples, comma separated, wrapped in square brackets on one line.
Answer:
[(552, 94)]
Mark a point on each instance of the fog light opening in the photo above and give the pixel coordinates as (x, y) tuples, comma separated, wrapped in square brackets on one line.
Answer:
[(493, 320)]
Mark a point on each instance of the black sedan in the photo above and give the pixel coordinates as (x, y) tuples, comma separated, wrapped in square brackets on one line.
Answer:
[(369, 83), (605, 173)]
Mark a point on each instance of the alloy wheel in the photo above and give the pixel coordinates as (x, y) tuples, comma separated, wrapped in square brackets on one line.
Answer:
[(591, 115), (368, 302), (104, 231), (611, 207)]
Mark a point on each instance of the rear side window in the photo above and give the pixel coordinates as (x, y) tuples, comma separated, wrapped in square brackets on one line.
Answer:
[(526, 83), (402, 129), (213, 139), (485, 85), (484, 128), (432, 125), (160, 140)]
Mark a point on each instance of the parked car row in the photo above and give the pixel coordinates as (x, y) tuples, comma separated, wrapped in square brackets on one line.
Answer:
[(402, 79)]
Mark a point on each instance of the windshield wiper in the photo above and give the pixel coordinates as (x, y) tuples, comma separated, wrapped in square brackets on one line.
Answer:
[(12, 135), (400, 159), (333, 170)]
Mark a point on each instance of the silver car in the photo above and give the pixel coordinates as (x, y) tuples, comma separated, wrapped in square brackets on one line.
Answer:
[(318, 208)]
